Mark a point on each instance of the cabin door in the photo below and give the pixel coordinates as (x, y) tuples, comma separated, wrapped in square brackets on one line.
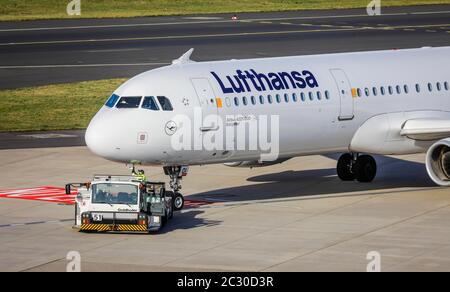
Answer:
[(345, 94), (208, 103)]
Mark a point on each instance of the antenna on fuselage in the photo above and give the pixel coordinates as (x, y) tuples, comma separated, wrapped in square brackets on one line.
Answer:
[(185, 58)]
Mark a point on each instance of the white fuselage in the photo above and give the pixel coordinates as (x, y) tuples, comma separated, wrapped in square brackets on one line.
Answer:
[(339, 117)]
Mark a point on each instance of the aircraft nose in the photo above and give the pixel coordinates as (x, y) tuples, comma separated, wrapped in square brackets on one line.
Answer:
[(100, 138)]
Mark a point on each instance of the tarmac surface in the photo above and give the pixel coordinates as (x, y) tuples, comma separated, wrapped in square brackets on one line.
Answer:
[(297, 216), (58, 51)]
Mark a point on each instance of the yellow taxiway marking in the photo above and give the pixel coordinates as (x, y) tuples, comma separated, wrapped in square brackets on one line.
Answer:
[(336, 29)]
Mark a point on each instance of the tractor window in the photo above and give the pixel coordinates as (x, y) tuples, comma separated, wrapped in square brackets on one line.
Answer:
[(110, 193), (165, 103), (129, 102)]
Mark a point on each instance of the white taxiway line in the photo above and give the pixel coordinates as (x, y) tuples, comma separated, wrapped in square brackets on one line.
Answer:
[(80, 65), (216, 21)]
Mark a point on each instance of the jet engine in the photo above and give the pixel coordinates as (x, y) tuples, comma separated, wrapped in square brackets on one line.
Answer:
[(438, 162)]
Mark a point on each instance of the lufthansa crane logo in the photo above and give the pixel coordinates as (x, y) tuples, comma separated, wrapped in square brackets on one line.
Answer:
[(171, 128)]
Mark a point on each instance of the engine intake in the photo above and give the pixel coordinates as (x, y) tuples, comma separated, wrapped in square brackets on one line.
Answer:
[(438, 162)]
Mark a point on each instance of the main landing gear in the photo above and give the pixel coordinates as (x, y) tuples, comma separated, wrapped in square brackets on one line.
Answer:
[(176, 174), (353, 166)]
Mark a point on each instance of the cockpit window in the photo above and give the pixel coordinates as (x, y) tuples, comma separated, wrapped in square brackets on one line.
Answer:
[(165, 103), (129, 102), (112, 100), (150, 103)]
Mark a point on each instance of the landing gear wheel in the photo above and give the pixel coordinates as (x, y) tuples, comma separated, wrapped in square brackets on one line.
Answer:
[(178, 202), (365, 168), (344, 167)]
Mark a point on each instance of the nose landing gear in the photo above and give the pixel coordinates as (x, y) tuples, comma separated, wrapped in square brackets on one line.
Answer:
[(353, 166), (176, 174)]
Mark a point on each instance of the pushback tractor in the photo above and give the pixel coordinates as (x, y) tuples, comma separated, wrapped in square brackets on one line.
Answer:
[(122, 204)]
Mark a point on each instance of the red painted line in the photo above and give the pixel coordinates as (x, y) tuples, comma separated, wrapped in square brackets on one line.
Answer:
[(58, 195), (44, 194)]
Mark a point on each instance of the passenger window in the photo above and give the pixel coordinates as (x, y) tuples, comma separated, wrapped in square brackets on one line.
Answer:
[(228, 102), (252, 98), (417, 88), (358, 91), (327, 94), (269, 98), (430, 87), (286, 97), (319, 95), (278, 98), (438, 86), (294, 97), (236, 101), (311, 96), (375, 91), (391, 90), (129, 102), (406, 89), (446, 85), (397, 88), (382, 90), (367, 91), (244, 100), (302, 96), (165, 103), (150, 103), (261, 99)]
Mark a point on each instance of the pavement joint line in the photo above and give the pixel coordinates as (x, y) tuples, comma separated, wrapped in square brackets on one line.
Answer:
[(221, 21), (313, 197), (35, 223), (360, 235), (420, 254), (215, 35), (41, 265)]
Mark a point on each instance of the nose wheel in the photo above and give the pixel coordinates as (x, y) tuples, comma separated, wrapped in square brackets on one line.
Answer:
[(353, 166), (178, 201), (176, 174)]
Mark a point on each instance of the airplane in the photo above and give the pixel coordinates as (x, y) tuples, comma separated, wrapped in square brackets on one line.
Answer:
[(388, 102)]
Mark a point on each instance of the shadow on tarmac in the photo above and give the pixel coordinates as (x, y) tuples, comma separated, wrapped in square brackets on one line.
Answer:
[(393, 175)]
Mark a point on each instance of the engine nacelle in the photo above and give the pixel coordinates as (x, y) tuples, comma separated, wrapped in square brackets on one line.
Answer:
[(438, 162), (255, 163)]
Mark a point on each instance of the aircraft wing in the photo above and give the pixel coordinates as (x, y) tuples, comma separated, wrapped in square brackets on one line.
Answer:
[(426, 129)]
